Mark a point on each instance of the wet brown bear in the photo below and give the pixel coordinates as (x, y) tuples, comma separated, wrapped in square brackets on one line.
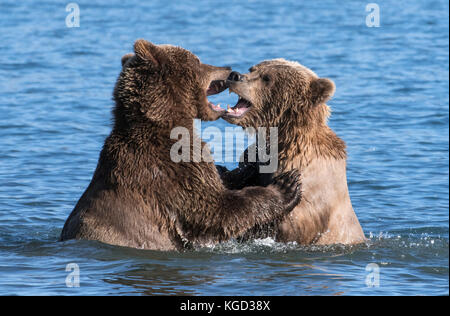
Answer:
[(138, 197), (291, 97)]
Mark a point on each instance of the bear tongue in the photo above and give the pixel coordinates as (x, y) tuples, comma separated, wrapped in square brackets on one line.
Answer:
[(242, 103), (237, 110), (216, 107)]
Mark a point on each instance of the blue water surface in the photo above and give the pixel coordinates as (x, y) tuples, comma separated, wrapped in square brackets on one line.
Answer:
[(391, 107)]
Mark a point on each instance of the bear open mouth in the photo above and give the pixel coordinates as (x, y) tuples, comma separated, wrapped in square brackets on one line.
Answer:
[(216, 87), (241, 107)]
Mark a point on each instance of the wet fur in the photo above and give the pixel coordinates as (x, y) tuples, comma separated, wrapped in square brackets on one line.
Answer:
[(290, 96), (138, 197)]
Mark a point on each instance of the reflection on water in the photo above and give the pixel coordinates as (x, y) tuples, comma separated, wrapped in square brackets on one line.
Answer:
[(156, 279), (264, 267)]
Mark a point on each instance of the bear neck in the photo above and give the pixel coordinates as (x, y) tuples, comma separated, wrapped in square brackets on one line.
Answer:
[(307, 138), (125, 122)]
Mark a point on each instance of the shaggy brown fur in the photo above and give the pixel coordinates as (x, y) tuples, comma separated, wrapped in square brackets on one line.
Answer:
[(291, 97), (138, 196)]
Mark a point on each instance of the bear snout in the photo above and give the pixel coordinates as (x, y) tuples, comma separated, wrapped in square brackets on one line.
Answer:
[(235, 76)]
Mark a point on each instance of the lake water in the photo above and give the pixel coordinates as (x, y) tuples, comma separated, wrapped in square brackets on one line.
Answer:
[(391, 107)]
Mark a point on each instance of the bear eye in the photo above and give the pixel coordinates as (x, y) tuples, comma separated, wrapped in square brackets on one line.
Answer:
[(266, 78)]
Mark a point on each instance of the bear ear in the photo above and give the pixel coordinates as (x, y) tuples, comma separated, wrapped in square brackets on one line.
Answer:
[(147, 51), (126, 58), (322, 89)]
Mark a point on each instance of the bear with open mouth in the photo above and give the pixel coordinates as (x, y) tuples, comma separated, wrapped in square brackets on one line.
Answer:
[(138, 196), (284, 94)]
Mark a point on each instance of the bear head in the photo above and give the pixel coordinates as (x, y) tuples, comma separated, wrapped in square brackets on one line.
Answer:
[(165, 84), (279, 92)]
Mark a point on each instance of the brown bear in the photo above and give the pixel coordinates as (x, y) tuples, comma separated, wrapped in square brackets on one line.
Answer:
[(138, 197), (291, 97)]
